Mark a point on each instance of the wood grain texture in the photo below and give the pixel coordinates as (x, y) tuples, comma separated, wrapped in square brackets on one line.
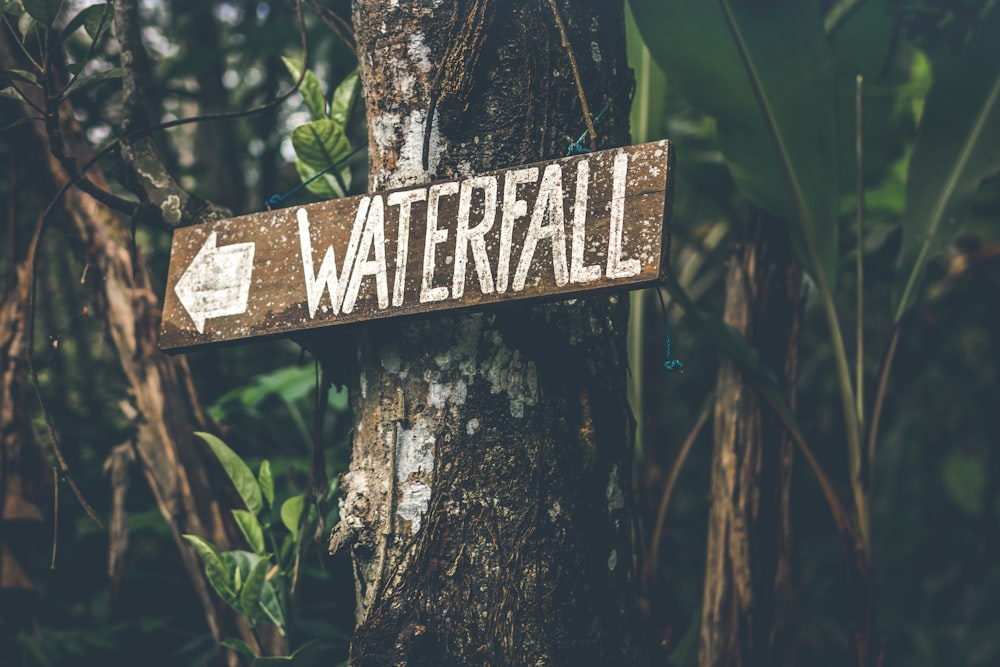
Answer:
[(557, 228)]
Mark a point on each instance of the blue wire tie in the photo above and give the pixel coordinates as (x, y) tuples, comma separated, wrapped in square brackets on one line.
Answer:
[(277, 199)]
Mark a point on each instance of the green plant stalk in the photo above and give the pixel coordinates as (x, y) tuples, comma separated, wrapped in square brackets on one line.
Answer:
[(636, 361), (859, 206), (851, 423), (942, 202)]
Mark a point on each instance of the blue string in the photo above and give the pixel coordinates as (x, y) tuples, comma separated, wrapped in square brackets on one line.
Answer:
[(577, 147), (277, 199), (672, 365)]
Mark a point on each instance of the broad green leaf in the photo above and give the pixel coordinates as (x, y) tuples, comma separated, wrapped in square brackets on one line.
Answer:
[(965, 482), (43, 11), (648, 105), (250, 594), (251, 530), (326, 185), (344, 97), (82, 83), (765, 73), (318, 145), (957, 147), (266, 482), (216, 570), (239, 646), (11, 94), (271, 605), (22, 75), (239, 473), (311, 91), (94, 19), (291, 513), (97, 19)]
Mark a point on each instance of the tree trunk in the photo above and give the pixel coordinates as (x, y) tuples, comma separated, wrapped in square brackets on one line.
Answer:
[(23, 474), (747, 569), (162, 402), (488, 504)]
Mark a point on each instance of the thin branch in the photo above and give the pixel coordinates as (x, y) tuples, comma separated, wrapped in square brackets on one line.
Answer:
[(859, 206), (325, 15), (668, 489), (880, 390), (64, 469), (576, 75), (174, 204), (69, 165), (852, 539)]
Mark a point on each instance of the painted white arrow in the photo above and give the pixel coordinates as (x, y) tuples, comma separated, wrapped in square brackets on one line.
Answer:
[(217, 282)]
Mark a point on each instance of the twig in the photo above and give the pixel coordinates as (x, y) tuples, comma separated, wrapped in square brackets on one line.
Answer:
[(576, 75), (880, 390), (55, 517), (859, 206), (325, 14), (668, 489), (840, 515)]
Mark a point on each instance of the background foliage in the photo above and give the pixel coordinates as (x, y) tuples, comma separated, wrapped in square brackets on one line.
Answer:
[(928, 249)]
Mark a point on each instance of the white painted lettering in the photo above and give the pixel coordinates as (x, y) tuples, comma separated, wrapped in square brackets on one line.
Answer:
[(404, 200), (549, 205), (618, 267), (373, 237), (476, 236), (434, 236), (327, 278), (513, 208), (579, 273)]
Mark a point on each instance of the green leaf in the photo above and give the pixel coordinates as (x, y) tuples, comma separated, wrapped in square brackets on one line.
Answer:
[(649, 103), (95, 19), (239, 473), (11, 94), (82, 83), (314, 653), (957, 147), (291, 513), (765, 73), (215, 567), (251, 592), (311, 91), (965, 482), (239, 646), (250, 527), (271, 605), (266, 482), (22, 75), (318, 145), (43, 11), (326, 185), (344, 97)]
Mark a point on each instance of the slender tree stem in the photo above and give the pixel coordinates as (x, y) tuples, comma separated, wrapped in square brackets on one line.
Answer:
[(859, 219)]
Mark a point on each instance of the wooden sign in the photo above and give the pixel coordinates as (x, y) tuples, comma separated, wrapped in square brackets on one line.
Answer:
[(558, 228)]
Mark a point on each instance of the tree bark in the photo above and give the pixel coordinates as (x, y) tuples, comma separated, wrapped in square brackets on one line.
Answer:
[(488, 504), (23, 474), (748, 561), (162, 403)]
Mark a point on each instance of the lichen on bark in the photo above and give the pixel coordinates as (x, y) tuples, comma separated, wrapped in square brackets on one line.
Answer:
[(488, 503)]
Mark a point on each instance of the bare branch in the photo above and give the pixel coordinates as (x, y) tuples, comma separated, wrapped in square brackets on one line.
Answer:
[(148, 173)]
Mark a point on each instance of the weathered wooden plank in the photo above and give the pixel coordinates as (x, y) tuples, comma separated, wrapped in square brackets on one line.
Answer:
[(558, 228)]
